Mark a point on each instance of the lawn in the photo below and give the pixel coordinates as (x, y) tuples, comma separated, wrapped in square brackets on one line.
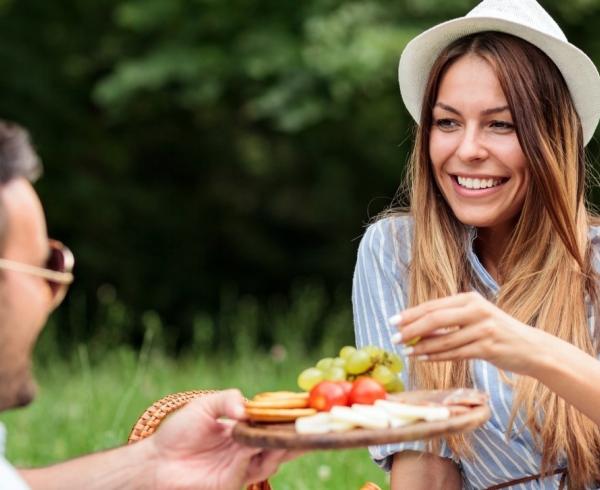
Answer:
[(85, 406)]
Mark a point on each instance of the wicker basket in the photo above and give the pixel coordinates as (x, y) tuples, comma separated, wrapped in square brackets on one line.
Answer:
[(157, 412)]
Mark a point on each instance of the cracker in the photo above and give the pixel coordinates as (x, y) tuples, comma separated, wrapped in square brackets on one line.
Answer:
[(277, 403), (278, 414), (271, 395)]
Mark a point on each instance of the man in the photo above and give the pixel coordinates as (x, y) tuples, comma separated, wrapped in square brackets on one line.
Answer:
[(192, 449)]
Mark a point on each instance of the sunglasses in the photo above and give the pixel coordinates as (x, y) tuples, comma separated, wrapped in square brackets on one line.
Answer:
[(58, 270)]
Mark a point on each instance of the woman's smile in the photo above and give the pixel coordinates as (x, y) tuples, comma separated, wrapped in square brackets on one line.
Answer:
[(477, 186)]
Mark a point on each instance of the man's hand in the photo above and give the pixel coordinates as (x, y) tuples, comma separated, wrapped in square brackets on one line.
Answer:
[(194, 448)]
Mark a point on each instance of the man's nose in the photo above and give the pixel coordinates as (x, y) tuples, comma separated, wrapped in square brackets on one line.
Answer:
[(471, 147)]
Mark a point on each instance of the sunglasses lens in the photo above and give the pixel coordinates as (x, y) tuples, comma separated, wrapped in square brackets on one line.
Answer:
[(57, 262)]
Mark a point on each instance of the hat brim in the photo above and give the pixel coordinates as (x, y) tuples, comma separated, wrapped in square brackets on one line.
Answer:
[(577, 68)]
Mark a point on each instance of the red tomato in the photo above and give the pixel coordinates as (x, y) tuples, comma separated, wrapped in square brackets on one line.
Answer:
[(326, 394), (366, 390), (346, 385)]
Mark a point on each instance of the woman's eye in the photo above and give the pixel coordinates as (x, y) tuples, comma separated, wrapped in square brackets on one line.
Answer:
[(446, 124), (502, 126)]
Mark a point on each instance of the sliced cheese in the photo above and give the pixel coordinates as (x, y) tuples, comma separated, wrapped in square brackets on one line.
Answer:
[(414, 412), (357, 419)]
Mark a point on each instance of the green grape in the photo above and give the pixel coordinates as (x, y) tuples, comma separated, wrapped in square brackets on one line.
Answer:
[(395, 385), (395, 363), (339, 362), (413, 341), (309, 378), (325, 363), (383, 374), (347, 351), (359, 362), (335, 373), (375, 352)]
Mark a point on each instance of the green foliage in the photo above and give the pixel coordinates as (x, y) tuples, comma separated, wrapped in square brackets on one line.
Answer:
[(198, 150)]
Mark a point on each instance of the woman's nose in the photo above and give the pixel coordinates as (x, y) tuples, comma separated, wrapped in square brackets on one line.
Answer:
[(471, 147)]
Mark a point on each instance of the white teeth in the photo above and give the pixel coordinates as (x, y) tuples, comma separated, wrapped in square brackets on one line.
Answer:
[(478, 183)]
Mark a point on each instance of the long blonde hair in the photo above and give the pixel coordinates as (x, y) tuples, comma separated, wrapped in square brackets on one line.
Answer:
[(546, 271)]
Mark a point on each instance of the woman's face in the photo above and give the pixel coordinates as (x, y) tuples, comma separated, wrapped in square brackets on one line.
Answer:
[(477, 159)]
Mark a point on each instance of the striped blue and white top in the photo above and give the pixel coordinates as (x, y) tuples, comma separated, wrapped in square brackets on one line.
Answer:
[(380, 289)]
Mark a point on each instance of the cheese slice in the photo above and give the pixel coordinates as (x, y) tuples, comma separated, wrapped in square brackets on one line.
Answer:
[(350, 416), (414, 412)]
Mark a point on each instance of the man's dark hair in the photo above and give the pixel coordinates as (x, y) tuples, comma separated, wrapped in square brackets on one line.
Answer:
[(17, 156)]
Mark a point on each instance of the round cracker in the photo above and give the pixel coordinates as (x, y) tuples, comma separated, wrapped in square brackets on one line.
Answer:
[(277, 403), (269, 395), (278, 415)]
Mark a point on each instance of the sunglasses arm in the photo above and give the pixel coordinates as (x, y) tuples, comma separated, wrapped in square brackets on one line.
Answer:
[(55, 276)]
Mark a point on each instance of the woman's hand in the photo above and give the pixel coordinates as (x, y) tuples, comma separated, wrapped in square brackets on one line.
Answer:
[(467, 326)]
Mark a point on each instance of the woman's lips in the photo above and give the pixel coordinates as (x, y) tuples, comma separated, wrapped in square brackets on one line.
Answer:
[(466, 192)]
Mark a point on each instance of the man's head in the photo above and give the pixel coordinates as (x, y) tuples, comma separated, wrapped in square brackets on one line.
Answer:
[(25, 299)]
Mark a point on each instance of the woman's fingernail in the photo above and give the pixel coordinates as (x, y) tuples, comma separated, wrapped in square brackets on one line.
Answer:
[(422, 357), (407, 351), (394, 320), (397, 338)]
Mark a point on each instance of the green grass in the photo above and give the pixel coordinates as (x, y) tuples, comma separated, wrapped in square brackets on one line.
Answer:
[(84, 407)]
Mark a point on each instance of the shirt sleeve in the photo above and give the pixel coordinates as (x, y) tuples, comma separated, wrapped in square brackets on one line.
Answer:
[(9, 477), (379, 290)]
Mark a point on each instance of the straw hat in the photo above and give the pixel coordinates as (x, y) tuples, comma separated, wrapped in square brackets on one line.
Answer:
[(522, 18)]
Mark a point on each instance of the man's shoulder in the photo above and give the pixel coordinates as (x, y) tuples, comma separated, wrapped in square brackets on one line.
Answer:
[(9, 477)]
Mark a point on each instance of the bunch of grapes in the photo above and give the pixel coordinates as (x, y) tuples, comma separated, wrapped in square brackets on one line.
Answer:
[(351, 363)]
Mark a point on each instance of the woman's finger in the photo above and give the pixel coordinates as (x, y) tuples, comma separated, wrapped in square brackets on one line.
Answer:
[(432, 322), (473, 350), (446, 342), (411, 314)]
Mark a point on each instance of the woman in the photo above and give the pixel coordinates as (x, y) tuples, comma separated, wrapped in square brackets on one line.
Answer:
[(493, 270)]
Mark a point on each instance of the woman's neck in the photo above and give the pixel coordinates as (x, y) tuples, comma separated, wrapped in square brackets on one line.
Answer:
[(490, 245)]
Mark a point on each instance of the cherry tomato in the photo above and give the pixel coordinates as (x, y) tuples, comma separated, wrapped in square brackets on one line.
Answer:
[(347, 386), (366, 390), (326, 394)]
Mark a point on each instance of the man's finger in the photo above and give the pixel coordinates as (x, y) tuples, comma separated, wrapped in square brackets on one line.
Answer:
[(228, 403), (265, 464)]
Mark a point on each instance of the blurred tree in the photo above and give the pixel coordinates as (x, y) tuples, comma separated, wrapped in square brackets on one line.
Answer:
[(195, 146)]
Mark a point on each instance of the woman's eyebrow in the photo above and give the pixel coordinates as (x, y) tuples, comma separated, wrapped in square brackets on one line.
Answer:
[(448, 108), (486, 112), (494, 110)]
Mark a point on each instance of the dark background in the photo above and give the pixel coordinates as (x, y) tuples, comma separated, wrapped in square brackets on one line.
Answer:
[(206, 154)]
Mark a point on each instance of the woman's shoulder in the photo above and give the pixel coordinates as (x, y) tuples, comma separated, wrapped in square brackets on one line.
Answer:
[(396, 226), (388, 237), (594, 234)]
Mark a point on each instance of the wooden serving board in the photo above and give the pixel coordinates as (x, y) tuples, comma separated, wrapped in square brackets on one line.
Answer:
[(284, 436)]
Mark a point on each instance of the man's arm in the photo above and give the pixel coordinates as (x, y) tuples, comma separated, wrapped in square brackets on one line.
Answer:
[(192, 449), (424, 471), (130, 467)]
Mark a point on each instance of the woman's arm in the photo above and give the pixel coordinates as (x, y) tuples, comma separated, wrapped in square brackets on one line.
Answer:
[(424, 471), (570, 373), (486, 332)]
